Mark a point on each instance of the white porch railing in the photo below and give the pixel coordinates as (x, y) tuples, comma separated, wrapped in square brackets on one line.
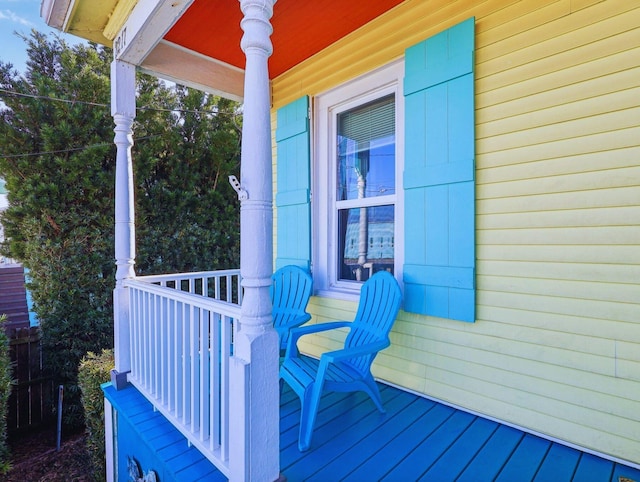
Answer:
[(181, 328)]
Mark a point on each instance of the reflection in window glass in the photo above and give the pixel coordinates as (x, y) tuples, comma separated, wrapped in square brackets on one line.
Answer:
[(366, 238), (365, 189), (366, 151)]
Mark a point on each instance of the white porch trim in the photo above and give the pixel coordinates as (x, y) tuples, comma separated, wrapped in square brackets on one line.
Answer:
[(149, 21), (255, 438), (123, 110), (170, 62), (253, 420)]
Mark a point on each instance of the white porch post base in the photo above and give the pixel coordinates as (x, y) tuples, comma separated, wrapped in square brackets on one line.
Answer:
[(254, 404), (123, 110), (255, 434), (121, 339)]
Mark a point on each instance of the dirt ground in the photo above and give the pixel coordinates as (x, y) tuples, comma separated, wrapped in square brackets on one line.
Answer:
[(34, 458)]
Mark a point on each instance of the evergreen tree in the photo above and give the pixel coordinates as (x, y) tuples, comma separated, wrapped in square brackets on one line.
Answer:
[(187, 213), (58, 159)]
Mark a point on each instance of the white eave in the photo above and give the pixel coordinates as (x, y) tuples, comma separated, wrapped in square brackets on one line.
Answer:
[(54, 12)]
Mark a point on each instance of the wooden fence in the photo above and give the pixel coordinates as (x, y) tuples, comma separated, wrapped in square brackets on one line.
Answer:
[(31, 398)]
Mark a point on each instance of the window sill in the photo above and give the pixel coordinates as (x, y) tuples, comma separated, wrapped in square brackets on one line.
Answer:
[(339, 294)]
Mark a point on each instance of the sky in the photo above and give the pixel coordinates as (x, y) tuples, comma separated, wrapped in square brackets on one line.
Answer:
[(21, 16)]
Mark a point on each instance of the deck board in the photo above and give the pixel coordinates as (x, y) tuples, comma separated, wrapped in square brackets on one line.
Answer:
[(561, 462), (416, 439), (361, 444), (394, 452), (525, 460), (338, 428), (420, 460), (453, 462), (489, 460), (593, 469)]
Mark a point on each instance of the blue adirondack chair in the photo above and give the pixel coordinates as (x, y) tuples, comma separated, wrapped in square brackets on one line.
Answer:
[(347, 369), (290, 292)]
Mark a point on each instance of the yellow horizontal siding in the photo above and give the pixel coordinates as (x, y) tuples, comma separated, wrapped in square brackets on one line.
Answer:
[(558, 130), (511, 317), (545, 285), (556, 344), (619, 102), (555, 80), (573, 42), (611, 216), (622, 255), (591, 88)]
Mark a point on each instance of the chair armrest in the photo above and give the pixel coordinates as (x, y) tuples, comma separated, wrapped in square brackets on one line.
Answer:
[(294, 322), (297, 333), (346, 353)]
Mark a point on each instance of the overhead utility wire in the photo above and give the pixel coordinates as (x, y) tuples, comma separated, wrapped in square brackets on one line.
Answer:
[(98, 104), (73, 149), (44, 97)]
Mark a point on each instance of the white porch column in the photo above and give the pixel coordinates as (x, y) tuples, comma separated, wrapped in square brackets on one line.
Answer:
[(255, 453), (123, 110)]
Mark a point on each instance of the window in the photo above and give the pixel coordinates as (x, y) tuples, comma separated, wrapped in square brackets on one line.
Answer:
[(357, 171), (433, 103)]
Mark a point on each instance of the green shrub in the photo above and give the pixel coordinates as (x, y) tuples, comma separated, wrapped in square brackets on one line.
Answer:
[(5, 391), (95, 370)]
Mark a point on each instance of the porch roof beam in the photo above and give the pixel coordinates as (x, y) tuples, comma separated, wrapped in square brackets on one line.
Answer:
[(149, 21), (186, 67)]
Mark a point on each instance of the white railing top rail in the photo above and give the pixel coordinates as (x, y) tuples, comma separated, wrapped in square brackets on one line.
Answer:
[(198, 301), (224, 285), (159, 278)]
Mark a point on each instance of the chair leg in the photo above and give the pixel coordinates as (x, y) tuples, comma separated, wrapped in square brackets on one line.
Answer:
[(309, 410), (374, 392)]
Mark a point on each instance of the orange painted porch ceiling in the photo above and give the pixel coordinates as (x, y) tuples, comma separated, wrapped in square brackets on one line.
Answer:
[(301, 28)]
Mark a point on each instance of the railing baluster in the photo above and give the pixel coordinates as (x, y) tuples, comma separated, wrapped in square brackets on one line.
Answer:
[(186, 354), (170, 355), (153, 328), (133, 327), (204, 374), (146, 369), (194, 345), (214, 366), (177, 360), (225, 348), (150, 345), (164, 354)]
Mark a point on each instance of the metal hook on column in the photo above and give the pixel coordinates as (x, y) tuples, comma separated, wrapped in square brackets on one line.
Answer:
[(235, 184)]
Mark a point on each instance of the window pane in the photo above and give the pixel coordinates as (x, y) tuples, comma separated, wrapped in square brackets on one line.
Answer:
[(366, 150), (366, 241)]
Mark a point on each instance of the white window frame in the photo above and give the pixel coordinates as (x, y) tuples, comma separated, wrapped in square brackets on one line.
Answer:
[(326, 106)]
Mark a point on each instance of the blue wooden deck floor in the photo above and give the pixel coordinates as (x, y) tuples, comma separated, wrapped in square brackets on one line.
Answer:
[(416, 439)]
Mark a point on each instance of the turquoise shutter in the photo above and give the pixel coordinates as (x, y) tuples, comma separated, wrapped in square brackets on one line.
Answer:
[(293, 197), (439, 270)]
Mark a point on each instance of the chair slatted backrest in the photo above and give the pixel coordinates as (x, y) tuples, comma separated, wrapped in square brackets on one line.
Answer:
[(290, 293), (380, 300)]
